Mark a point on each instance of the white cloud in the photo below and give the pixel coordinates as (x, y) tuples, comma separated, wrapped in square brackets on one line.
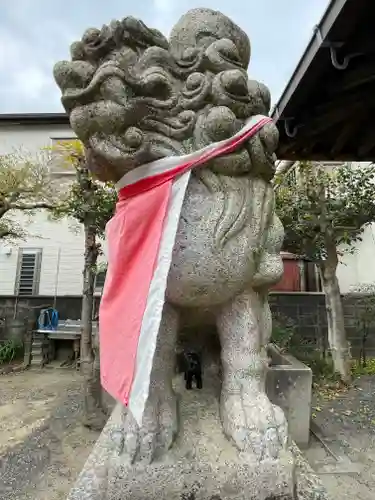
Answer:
[(23, 76), (32, 81), (162, 5), (10, 49), (36, 33), (162, 15)]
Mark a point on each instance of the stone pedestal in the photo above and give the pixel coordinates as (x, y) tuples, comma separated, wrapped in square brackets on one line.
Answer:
[(202, 465)]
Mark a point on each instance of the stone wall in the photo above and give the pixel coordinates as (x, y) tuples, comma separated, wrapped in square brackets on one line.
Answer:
[(307, 311)]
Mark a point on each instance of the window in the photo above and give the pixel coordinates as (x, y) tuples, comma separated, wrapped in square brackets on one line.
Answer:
[(99, 281), (28, 271)]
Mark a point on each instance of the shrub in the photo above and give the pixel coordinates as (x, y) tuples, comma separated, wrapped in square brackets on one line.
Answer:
[(10, 350), (283, 331), (359, 369)]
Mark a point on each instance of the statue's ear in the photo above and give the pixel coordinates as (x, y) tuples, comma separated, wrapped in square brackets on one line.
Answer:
[(265, 95), (261, 97)]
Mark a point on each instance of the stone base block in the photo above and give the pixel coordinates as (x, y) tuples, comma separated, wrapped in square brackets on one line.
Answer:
[(202, 464)]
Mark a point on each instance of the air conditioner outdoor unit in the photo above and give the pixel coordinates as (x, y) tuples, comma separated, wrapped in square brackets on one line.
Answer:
[(5, 250)]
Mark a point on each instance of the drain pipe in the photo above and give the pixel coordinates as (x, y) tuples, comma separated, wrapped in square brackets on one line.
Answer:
[(283, 166)]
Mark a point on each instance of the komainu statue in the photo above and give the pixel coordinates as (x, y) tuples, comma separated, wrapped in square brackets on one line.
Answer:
[(135, 99)]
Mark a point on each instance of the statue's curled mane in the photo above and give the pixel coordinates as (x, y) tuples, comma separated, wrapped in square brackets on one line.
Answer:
[(133, 96)]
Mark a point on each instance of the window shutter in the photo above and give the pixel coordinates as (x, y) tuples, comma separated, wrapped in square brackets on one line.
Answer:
[(99, 281), (28, 274)]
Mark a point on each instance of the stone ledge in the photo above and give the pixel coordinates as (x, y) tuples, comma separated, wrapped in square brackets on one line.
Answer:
[(309, 487)]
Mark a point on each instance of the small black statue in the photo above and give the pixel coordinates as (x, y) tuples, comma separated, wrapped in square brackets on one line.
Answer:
[(192, 370)]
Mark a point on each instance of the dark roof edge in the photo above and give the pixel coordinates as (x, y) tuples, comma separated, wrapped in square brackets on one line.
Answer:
[(329, 17), (34, 118)]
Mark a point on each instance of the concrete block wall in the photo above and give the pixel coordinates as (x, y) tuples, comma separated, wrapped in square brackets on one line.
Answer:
[(307, 310)]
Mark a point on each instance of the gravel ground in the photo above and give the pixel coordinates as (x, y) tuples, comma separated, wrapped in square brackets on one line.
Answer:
[(351, 411), (345, 421), (43, 446)]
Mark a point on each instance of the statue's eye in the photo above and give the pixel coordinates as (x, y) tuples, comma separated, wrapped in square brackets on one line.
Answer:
[(231, 54), (228, 49)]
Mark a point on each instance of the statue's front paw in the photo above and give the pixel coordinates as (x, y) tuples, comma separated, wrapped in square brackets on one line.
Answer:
[(255, 425), (275, 438), (157, 433)]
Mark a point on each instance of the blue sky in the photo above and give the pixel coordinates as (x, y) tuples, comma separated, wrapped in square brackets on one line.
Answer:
[(34, 34)]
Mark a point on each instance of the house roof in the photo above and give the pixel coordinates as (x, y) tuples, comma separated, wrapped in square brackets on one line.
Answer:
[(326, 110), (34, 118)]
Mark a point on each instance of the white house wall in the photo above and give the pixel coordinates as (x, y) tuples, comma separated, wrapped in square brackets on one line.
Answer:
[(359, 269), (48, 235), (52, 237), (31, 138)]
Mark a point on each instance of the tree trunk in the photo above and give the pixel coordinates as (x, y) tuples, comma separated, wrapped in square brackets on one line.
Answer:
[(94, 415), (335, 318), (335, 312)]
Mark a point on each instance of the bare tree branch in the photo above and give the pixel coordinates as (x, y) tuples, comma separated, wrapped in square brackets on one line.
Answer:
[(32, 206)]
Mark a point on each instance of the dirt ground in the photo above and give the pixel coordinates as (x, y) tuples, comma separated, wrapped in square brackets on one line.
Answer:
[(43, 446), (342, 451)]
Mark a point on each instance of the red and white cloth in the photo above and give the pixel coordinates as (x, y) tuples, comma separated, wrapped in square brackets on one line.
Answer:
[(140, 238)]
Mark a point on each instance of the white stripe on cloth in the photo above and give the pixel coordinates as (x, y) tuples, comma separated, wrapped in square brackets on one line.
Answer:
[(155, 301)]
